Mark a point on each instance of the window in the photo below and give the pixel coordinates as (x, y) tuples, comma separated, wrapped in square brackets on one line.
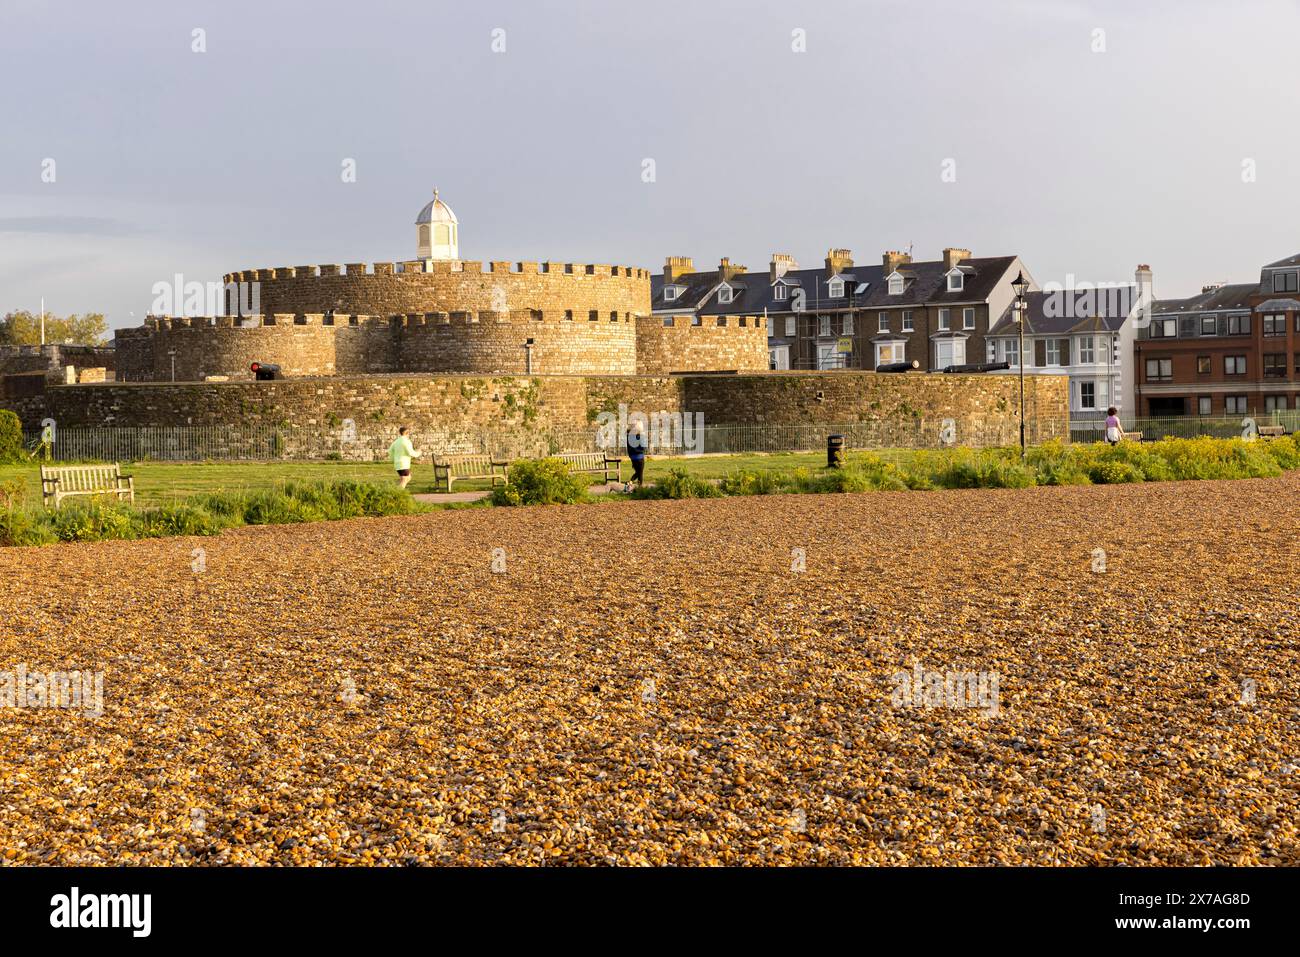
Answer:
[(848, 324), (968, 318), (1204, 405), (955, 281), (725, 295), (568, 315), (895, 285), (949, 352), (696, 321), (670, 293), (1008, 351), (668, 321), (1274, 325), (1239, 325), (593, 316), (1284, 282), (882, 322), (1202, 365), (1209, 326), (790, 326), (1163, 328), (1087, 395), (890, 352), (1234, 365), (779, 292), (1159, 370), (945, 319), (1274, 403), (1053, 351), (613, 317), (1234, 404), (907, 321), (1087, 349), (1275, 363), (823, 325), (771, 326), (835, 288)]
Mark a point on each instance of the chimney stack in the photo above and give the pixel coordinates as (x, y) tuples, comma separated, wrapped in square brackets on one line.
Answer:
[(677, 266), (781, 264), (726, 270), (837, 260), (892, 260), (952, 256)]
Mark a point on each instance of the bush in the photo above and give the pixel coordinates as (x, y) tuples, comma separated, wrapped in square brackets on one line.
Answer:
[(176, 518), (678, 484), (93, 521), (1115, 472), (18, 527), (751, 482), (541, 482), (12, 493), (11, 438)]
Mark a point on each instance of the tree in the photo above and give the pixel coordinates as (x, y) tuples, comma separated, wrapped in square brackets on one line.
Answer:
[(24, 329)]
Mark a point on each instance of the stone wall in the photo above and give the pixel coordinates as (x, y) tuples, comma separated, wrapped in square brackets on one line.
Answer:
[(430, 286), (894, 409), (718, 344)]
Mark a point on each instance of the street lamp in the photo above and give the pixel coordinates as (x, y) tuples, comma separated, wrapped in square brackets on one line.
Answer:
[(1021, 286)]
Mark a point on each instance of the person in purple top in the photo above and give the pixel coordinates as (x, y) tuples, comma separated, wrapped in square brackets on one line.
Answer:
[(1113, 431)]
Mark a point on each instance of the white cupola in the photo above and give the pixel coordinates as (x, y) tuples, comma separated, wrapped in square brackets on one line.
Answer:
[(437, 231)]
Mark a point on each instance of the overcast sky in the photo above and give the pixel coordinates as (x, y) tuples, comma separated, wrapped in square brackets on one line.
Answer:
[(1082, 162)]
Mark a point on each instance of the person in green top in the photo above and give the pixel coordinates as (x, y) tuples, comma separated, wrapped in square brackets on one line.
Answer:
[(401, 452)]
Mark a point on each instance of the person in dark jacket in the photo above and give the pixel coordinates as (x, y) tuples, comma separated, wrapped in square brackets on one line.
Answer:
[(636, 449)]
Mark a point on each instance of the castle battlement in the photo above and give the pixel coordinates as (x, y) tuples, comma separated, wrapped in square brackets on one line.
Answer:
[(436, 313)]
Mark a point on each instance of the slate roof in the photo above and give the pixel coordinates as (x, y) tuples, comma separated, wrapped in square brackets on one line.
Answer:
[(1233, 296), (754, 293), (1073, 311)]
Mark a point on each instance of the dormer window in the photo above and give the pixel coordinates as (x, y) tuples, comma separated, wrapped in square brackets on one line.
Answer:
[(835, 288), (779, 291), (895, 285), (956, 281), (670, 293), (725, 295)]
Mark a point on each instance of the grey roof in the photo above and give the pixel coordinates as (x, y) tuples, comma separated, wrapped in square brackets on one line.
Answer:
[(1071, 311), (1289, 261), (1234, 296), (1278, 305), (754, 294)]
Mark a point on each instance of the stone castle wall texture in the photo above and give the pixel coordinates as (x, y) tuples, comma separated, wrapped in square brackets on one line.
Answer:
[(437, 317), (443, 410)]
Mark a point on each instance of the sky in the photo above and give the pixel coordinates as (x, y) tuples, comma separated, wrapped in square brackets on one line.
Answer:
[(1084, 137)]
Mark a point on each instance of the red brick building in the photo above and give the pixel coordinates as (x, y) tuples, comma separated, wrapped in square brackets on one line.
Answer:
[(1232, 350)]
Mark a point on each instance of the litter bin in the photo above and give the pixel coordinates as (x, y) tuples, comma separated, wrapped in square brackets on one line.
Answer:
[(834, 451)]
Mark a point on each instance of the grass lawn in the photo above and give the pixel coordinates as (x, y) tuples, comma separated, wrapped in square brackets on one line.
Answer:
[(156, 481)]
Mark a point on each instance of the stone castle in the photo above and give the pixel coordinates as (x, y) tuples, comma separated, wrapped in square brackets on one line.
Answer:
[(439, 314)]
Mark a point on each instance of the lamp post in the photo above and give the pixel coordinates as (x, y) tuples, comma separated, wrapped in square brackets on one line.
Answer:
[(1021, 286)]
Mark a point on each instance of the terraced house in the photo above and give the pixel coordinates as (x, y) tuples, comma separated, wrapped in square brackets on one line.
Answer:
[(1231, 350), (843, 315), (1085, 333)]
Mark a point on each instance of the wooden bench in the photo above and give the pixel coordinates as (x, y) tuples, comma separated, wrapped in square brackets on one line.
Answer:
[(448, 468), (1271, 431), (64, 481), (609, 467)]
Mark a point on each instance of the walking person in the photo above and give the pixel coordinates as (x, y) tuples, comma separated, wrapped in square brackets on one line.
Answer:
[(1113, 431), (636, 448), (401, 452)]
